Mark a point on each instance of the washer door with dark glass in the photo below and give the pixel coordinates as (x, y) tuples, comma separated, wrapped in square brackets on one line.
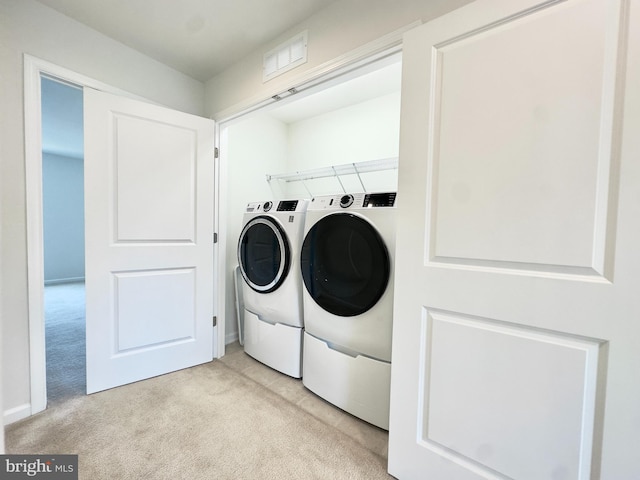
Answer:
[(263, 254), (345, 264)]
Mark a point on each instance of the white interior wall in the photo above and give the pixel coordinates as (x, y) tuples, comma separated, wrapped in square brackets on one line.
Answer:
[(29, 27), (341, 28), (365, 131), (63, 217), (253, 147)]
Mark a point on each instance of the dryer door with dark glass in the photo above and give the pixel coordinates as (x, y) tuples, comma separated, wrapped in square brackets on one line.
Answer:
[(345, 264), (263, 254)]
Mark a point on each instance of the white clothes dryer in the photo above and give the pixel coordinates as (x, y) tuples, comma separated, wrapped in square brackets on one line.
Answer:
[(347, 263), (268, 257)]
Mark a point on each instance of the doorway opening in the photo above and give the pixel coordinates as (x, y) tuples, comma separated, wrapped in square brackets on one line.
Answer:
[(63, 238)]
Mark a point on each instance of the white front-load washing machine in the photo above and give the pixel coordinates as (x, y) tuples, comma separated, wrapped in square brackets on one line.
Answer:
[(269, 261), (347, 264)]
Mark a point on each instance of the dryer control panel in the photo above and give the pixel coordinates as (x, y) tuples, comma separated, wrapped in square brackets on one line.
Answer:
[(352, 201), (379, 200), (287, 205)]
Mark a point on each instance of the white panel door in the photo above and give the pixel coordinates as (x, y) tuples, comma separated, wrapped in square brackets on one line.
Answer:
[(516, 341), (149, 177)]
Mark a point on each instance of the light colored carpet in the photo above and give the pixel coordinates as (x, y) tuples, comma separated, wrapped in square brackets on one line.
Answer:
[(65, 340), (232, 418)]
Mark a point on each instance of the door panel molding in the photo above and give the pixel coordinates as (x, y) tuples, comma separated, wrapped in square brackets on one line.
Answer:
[(172, 226), (459, 186), (529, 366), (144, 300)]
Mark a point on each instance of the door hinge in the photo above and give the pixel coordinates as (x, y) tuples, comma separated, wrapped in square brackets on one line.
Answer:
[(216, 152), (215, 321), (215, 237)]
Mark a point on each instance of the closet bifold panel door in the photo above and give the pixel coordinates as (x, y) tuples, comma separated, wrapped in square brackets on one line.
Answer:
[(149, 177), (516, 309)]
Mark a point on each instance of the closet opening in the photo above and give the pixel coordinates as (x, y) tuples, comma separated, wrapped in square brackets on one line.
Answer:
[(353, 117)]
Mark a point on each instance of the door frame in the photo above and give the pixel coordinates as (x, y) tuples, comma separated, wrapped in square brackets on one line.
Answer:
[(34, 69)]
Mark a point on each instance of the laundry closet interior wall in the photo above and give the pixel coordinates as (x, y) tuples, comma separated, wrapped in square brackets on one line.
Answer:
[(354, 121), (63, 182)]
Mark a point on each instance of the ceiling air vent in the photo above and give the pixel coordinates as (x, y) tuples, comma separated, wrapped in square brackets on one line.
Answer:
[(285, 56)]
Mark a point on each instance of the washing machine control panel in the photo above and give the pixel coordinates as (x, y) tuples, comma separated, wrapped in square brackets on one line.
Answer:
[(351, 201), (278, 206), (256, 207)]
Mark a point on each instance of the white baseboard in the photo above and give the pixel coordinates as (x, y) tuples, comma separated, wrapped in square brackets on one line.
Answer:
[(59, 281), (230, 338), (17, 413)]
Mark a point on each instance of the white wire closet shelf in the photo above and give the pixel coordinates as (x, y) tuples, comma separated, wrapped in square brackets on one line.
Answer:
[(337, 171)]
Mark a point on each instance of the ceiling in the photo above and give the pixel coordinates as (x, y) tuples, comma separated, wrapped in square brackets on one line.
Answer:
[(379, 79), (200, 38)]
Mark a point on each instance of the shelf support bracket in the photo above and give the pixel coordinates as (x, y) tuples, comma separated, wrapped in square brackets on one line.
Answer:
[(338, 177), (355, 167)]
